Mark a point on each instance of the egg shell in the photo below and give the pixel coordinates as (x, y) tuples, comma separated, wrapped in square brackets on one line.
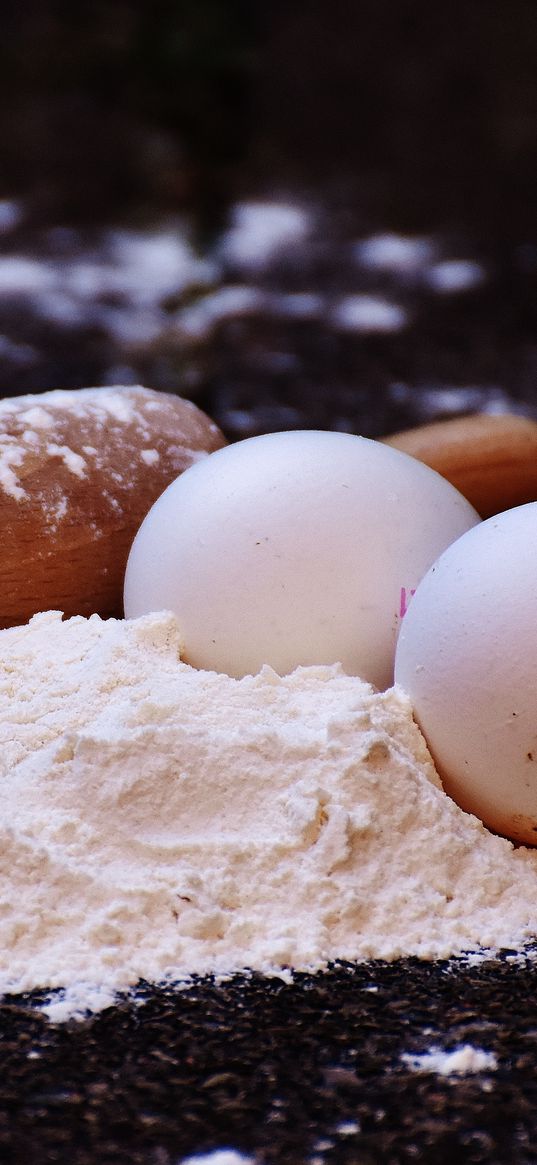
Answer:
[(467, 656), (294, 548), (491, 459)]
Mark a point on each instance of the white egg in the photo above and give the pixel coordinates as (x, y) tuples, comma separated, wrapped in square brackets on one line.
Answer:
[(467, 656), (294, 548)]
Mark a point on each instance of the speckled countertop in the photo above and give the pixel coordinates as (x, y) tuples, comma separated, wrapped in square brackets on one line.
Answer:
[(352, 1067)]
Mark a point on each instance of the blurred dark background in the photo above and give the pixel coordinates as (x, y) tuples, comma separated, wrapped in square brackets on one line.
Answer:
[(319, 214)]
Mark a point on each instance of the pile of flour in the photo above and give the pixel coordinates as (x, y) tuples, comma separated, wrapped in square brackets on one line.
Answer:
[(157, 821)]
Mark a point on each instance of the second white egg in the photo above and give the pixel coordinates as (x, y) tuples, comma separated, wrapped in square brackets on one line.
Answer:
[(467, 656), (294, 548)]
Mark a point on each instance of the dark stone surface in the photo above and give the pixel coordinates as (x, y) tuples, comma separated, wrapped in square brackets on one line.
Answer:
[(262, 369), (287, 1073)]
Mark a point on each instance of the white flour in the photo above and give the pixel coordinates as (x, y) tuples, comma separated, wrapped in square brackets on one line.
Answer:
[(34, 430), (157, 821), (462, 1061)]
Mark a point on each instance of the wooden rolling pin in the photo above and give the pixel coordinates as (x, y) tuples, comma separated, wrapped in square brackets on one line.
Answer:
[(492, 460), (78, 472)]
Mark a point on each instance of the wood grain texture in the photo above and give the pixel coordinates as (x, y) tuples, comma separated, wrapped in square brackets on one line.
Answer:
[(492, 460), (78, 473)]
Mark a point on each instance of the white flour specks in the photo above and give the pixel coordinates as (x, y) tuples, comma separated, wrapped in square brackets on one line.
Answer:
[(368, 314), (218, 1157), (50, 440), (461, 1061), (11, 459), (72, 461), (37, 418), (150, 456)]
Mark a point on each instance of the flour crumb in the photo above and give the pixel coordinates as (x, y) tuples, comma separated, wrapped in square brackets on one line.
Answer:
[(150, 456), (72, 461), (462, 1061), (347, 1128), (218, 1157)]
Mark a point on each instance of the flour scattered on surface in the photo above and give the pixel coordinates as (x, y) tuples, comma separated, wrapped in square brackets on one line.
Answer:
[(462, 1061), (26, 433), (158, 822), (35, 418), (72, 461), (218, 1157), (368, 313), (261, 230), (396, 254), (150, 456), (347, 1128), (77, 432), (454, 276)]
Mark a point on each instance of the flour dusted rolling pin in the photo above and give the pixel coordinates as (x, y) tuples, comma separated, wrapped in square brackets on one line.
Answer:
[(492, 460), (78, 472)]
